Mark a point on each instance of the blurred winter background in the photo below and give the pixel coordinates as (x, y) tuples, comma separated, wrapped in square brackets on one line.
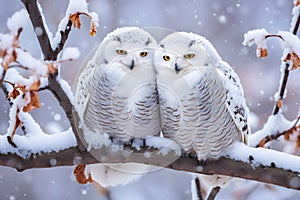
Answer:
[(222, 22)]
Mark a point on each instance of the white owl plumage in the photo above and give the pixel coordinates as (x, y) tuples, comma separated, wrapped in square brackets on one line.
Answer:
[(116, 98), (202, 103), (116, 93), (202, 106)]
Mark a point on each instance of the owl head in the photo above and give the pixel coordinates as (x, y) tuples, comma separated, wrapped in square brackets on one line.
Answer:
[(181, 52), (128, 46)]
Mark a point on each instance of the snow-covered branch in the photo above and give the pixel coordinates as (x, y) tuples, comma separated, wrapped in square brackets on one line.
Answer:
[(290, 44), (56, 85), (244, 162)]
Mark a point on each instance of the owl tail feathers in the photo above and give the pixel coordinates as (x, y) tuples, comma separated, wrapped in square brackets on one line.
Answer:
[(208, 186)]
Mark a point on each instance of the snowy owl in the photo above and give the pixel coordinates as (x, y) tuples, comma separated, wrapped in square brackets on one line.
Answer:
[(202, 104), (116, 96), (116, 93)]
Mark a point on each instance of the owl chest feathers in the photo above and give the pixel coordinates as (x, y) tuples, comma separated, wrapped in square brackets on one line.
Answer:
[(198, 119), (122, 106)]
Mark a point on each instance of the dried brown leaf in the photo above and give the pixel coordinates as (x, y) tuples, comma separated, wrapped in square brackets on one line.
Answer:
[(22, 88), (262, 143), (17, 124), (294, 58), (93, 29), (79, 173), (287, 136), (8, 57), (298, 141), (52, 68), (13, 94), (75, 18), (279, 103), (261, 52), (35, 86), (34, 102)]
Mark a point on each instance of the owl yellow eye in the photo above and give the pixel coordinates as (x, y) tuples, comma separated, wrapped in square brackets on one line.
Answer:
[(189, 56), (166, 58), (143, 54), (121, 52)]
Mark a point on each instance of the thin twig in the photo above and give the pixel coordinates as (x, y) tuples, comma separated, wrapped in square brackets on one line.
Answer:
[(64, 37), (285, 75), (271, 137), (213, 193), (282, 88), (274, 35), (198, 188)]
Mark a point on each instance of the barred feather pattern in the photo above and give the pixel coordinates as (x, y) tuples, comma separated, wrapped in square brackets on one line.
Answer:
[(119, 108), (200, 120)]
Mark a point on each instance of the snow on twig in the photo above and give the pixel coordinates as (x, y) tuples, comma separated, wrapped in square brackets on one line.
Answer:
[(275, 124), (75, 8), (264, 157), (290, 60), (258, 37), (19, 19)]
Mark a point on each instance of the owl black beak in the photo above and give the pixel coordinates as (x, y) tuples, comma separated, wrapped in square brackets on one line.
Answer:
[(177, 68), (131, 65)]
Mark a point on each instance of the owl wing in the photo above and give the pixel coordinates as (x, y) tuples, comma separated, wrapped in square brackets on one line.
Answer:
[(235, 99), (82, 92)]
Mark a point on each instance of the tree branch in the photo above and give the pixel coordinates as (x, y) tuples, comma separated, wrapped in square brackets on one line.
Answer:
[(50, 54), (213, 193), (285, 77), (223, 166), (286, 134), (37, 22)]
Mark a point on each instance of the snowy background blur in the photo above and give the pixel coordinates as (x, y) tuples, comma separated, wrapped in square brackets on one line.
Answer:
[(222, 22)]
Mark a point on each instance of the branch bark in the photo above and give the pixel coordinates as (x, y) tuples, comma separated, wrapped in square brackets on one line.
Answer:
[(37, 22), (50, 54), (223, 166)]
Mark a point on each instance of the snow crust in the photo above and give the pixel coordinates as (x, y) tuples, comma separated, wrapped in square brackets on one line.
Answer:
[(295, 13), (70, 53), (257, 37), (37, 66), (49, 33), (66, 88), (275, 124), (194, 190), (6, 41), (291, 41), (19, 19), (36, 141), (165, 145), (77, 6), (262, 156)]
